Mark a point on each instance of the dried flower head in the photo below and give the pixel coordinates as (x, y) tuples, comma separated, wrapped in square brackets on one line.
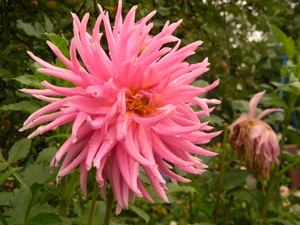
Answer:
[(254, 140), (130, 109)]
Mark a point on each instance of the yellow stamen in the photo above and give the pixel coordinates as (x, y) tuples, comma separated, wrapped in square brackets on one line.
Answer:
[(139, 105)]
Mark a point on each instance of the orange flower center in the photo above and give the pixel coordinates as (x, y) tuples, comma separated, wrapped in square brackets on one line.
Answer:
[(139, 105)]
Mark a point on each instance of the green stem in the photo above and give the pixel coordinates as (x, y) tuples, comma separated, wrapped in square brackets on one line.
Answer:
[(93, 205), (285, 169), (225, 137), (109, 203), (16, 175), (191, 210), (274, 175), (228, 210)]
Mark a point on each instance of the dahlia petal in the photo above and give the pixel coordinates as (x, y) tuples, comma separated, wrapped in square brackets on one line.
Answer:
[(39, 92), (144, 192), (133, 149), (164, 168), (79, 120), (174, 129), (83, 178), (151, 121), (158, 188), (82, 135), (127, 169), (185, 145), (254, 102), (94, 144), (75, 163), (59, 55), (64, 119), (164, 152), (107, 145), (64, 91), (99, 172), (268, 111), (42, 119), (63, 74), (95, 123), (143, 137), (46, 99)]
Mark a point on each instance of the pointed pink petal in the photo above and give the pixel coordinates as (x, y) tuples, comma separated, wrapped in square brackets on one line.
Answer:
[(254, 102)]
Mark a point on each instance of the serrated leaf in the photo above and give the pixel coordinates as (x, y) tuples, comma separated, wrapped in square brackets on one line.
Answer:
[(5, 197), (28, 29), (45, 219), (37, 173), (20, 202), (234, 178), (46, 155), (29, 80), (25, 106), (140, 213), (19, 150)]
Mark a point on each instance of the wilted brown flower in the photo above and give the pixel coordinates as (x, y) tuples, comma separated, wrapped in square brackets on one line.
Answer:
[(254, 140)]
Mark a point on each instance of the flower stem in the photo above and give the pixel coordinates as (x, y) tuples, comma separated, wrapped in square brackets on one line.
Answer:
[(224, 145), (93, 205), (109, 203), (275, 174)]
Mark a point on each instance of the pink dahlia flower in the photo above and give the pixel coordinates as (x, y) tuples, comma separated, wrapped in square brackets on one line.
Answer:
[(130, 108), (254, 140)]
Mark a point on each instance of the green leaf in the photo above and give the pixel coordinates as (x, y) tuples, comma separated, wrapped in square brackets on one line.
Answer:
[(205, 223), (60, 42), (273, 101), (19, 150), (245, 195), (48, 24), (140, 213), (240, 105), (37, 173), (288, 43), (234, 178), (280, 221), (20, 202), (99, 214), (174, 188), (29, 80), (3, 166), (28, 29), (25, 106), (283, 71), (46, 155), (7, 174), (44, 219), (5, 197)]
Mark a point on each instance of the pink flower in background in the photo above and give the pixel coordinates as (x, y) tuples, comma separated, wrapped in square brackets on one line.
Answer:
[(254, 140), (130, 109)]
